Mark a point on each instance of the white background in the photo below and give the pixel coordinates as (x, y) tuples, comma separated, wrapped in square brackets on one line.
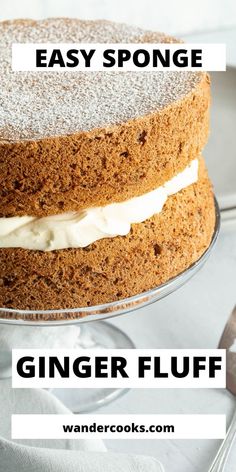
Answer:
[(212, 57), (132, 358), (185, 426), (171, 16)]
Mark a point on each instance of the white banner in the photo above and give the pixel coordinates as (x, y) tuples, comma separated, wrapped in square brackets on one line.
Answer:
[(118, 426), (60, 57), (118, 368)]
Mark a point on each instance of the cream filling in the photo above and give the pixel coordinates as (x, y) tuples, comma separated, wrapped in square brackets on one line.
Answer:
[(79, 229)]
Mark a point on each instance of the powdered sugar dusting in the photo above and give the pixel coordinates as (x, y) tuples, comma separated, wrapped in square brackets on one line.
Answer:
[(42, 104)]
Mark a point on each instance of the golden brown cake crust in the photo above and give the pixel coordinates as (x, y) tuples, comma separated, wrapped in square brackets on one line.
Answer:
[(70, 173), (116, 268), (134, 144)]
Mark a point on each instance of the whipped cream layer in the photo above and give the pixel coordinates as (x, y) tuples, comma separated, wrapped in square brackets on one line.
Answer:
[(79, 229)]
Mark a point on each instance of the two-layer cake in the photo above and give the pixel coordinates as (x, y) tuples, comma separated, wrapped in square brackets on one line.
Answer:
[(103, 193)]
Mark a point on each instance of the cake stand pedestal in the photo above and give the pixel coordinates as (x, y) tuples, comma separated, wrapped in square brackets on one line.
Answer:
[(93, 332), (96, 335)]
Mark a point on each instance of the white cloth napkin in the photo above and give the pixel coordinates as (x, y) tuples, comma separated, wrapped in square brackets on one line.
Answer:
[(31, 459), (56, 455)]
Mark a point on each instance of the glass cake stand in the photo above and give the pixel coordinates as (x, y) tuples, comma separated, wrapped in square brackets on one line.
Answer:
[(92, 331)]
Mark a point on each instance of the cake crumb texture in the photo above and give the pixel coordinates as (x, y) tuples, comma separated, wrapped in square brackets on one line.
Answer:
[(112, 269)]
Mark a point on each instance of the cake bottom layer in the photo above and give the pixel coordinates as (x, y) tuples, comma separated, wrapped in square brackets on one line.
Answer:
[(113, 268)]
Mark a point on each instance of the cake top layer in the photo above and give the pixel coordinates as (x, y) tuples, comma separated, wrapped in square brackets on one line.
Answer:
[(36, 105)]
